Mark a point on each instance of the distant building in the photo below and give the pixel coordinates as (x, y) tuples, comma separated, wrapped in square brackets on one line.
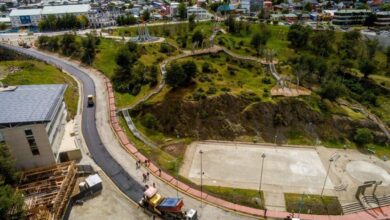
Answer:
[(200, 13), (99, 18), (383, 20), (251, 6), (350, 17), (25, 17), (31, 17), (32, 120), (61, 10)]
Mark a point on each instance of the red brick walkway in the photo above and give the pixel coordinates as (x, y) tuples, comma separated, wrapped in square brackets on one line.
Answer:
[(378, 213)]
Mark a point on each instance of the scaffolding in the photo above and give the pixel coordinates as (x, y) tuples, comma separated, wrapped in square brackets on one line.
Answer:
[(46, 190)]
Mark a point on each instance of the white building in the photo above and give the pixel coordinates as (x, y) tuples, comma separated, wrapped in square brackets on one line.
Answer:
[(31, 17), (25, 17), (66, 9), (32, 120), (200, 13)]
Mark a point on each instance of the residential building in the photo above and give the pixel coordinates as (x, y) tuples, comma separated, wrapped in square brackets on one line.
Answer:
[(102, 18), (200, 13), (350, 17), (383, 19), (32, 120), (251, 6)]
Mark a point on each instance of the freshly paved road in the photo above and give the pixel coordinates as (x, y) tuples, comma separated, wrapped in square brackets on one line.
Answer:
[(91, 136)]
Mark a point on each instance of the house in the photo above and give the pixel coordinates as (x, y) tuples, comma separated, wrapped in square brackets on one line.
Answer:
[(32, 120)]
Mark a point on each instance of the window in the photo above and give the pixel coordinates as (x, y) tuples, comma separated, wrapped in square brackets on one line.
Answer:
[(31, 141)]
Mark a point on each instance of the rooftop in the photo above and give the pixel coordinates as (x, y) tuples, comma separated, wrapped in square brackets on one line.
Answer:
[(29, 104), (25, 12), (63, 9)]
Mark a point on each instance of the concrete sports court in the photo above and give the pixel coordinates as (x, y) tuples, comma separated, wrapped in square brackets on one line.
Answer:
[(286, 169)]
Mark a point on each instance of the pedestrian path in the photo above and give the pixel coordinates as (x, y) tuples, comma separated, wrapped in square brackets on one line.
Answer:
[(274, 201)]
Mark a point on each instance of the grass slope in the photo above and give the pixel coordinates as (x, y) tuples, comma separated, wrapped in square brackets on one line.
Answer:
[(34, 72)]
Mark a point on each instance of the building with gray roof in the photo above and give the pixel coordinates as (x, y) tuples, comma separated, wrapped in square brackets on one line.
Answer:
[(32, 120)]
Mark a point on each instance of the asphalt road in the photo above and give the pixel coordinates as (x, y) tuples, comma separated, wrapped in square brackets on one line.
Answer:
[(99, 153)]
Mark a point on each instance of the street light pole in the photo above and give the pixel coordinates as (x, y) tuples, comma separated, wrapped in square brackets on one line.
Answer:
[(201, 177), (261, 173), (326, 177)]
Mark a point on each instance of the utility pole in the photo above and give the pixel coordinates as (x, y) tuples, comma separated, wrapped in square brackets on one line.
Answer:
[(201, 177)]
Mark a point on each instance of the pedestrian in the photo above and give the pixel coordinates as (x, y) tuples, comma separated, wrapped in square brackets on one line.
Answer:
[(147, 176), (146, 186), (154, 185), (136, 165), (159, 172), (265, 213), (143, 177), (146, 163)]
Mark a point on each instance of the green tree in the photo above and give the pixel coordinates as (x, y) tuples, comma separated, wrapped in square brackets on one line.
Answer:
[(298, 36), (363, 136), (259, 39), (125, 79), (367, 67), (388, 57), (385, 7), (9, 198), (182, 11), (189, 68), (371, 47), (191, 22), (256, 40), (149, 121), (349, 44), (146, 15), (175, 75), (321, 42), (231, 23), (198, 37), (332, 90), (69, 46), (89, 48)]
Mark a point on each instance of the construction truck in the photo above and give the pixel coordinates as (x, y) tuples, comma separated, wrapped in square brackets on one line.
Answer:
[(166, 208)]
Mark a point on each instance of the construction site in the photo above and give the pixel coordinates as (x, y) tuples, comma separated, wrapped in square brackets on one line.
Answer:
[(47, 190)]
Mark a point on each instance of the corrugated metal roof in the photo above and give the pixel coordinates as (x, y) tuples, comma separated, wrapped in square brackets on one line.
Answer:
[(30, 103), (63, 9), (25, 12)]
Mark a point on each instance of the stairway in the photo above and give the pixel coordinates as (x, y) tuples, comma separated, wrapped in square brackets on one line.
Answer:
[(352, 208), (367, 202)]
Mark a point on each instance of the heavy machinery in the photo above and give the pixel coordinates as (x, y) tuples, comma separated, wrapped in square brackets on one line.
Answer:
[(166, 208)]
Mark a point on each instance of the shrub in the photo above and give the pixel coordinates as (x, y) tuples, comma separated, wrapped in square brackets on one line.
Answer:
[(206, 67), (149, 121), (266, 80), (363, 136), (211, 90)]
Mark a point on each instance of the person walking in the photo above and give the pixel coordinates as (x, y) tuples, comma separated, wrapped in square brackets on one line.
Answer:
[(147, 176), (143, 177)]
